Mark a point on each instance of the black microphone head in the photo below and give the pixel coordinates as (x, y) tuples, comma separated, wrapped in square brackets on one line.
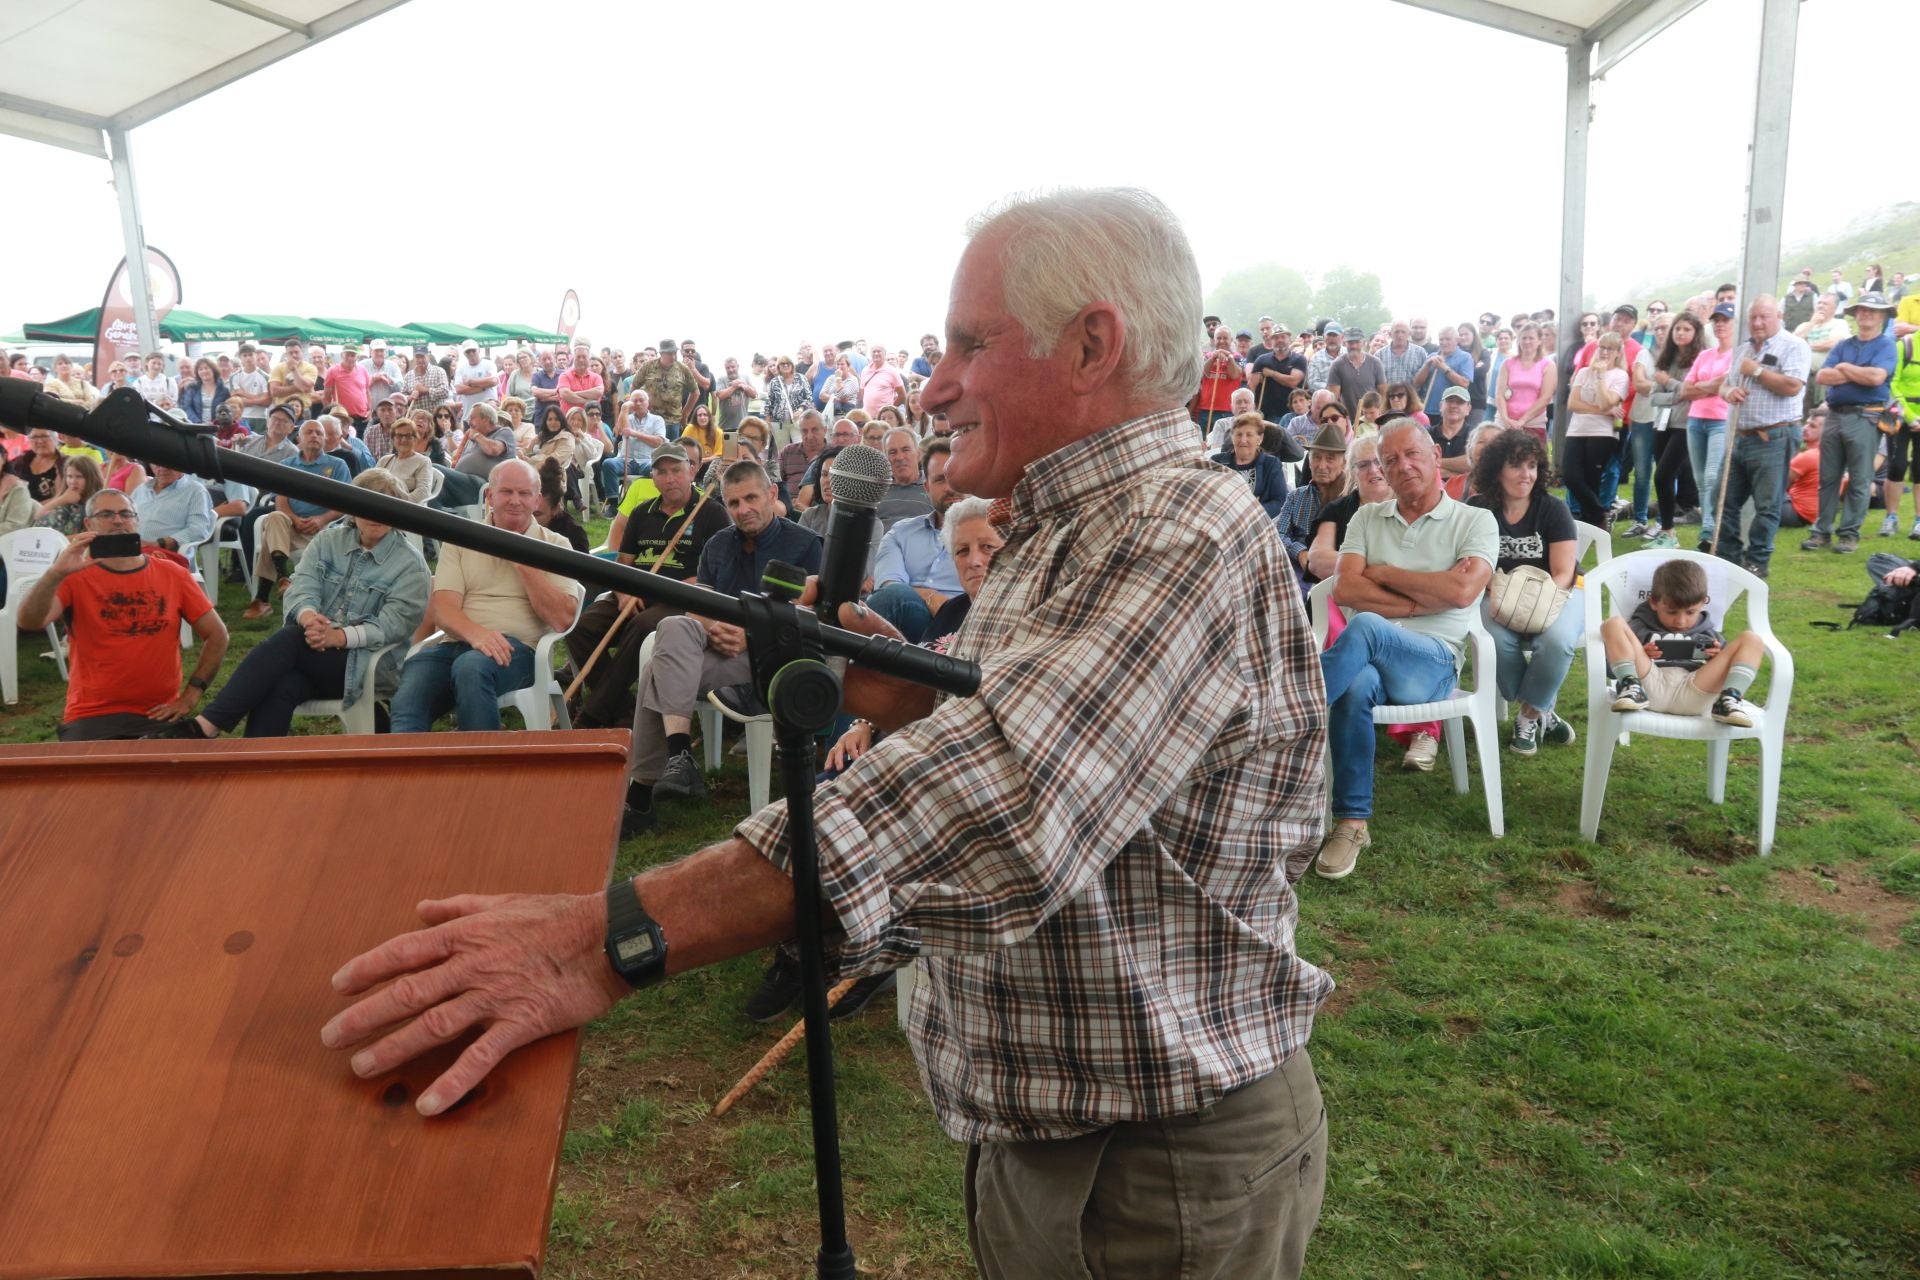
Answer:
[(860, 475)]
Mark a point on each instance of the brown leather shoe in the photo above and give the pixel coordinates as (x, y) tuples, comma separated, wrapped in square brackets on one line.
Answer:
[(257, 610)]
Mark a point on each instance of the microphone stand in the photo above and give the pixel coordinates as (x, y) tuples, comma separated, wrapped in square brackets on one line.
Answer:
[(787, 647)]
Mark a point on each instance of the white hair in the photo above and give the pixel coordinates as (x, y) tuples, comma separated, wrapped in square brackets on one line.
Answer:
[(958, 514), (1065, 249)]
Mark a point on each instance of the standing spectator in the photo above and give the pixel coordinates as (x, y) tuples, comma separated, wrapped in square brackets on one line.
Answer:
[(1821, 334), (929, 355), (123, 616), (1417, 326), (67, 384), (155, 387), (672, 386), (733, 393), (1448, 366), (1674, 486), (249, 390), (1411, 574), (1839, 288), (1276, 374), (1321, 363), (427, 386), (788, 397), (1536, 529), (490, 614), (1401, 360), (479, 381), (385, 377), (1594, 399), (1798, 308), (1855, 375), (840, 390), (293, 380), (1768, 380), (359, 586), (283, 531), (1220, 376), (347, 386), (519, 384), (545, 385), (881, 385), (1355, 375), (1482, 357), (1903, 449), (579, 385), (1707, 417)]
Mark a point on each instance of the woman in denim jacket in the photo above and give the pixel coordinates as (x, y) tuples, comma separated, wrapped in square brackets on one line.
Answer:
[(359, 585)]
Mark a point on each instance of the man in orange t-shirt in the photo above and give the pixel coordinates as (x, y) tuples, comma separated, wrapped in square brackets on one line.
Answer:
[(124, 615)]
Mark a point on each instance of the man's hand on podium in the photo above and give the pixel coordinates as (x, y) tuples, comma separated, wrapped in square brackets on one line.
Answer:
[(518, 966)]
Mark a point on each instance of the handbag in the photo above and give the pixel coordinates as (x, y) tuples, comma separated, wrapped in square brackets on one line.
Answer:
[(1525, 600)]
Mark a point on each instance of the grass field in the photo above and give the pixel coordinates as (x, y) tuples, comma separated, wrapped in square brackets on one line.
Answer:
[(1654, 1056)]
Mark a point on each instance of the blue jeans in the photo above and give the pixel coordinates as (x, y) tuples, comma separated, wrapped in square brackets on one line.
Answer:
[(1374, 663), (1640, 454), (901, 605), (457, 675), (1706, 449), (1536, 683), (1758, 466), (612, 478), (1609, 490)]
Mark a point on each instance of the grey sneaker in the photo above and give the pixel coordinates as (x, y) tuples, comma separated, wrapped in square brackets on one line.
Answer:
[(1845, 545), (1638, 529), (1816, 542), (1526, 736), (1558, 732), (1914, 536), (680, 779), (1890, 526)]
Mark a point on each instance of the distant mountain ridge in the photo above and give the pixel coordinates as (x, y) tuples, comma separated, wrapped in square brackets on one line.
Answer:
[(1889, 236)]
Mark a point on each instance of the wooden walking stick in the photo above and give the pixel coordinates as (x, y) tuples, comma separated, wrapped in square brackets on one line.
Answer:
[(627, 608), (774, 1056)]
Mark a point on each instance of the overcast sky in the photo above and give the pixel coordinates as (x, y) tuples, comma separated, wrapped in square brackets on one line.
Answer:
[(725, 172)]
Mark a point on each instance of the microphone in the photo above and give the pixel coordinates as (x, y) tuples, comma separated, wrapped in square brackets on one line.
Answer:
[(860, 474)]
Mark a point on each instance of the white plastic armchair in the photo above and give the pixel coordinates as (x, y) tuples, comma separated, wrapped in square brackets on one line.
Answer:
[(759, 732), (358, 718), (542, 704), (1625, 582), (1475, 705), (28, 554), (1586, 537)]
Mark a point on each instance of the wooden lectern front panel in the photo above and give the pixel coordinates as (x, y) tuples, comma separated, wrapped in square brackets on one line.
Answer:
[(170, 917)]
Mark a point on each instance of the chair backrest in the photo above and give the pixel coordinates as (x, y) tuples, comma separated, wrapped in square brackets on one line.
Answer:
[(1320, 606), (434, 480), (1585, 536), (28, 554), (1627, 580)]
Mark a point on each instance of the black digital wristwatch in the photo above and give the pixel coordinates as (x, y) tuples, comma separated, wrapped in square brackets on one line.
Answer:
[(636, 947)]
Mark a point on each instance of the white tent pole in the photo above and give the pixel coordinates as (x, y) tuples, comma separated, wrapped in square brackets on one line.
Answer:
[(1767, 161), (1573, 214), (135, 238)]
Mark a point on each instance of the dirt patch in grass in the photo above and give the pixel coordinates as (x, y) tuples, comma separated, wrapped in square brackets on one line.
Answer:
[(1718, 845), (1462, 1025), (1846, 891), (1354, 978), (1578, 898)]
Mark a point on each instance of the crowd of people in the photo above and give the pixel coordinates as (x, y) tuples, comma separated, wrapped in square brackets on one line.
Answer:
[(1408, 464)]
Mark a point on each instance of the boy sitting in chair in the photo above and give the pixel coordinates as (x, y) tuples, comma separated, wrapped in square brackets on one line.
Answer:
[(1667, 656)]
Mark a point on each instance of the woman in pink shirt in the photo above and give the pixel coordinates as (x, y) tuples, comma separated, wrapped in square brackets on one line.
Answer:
[(1526, 385), (1707, 417)]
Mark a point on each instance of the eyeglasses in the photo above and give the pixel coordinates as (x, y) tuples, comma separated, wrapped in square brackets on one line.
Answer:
[(114, 513), (1656, 311), (1589, 324), (1332, 417)]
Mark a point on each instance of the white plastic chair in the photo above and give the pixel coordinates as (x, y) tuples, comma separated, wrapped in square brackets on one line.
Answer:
[(1586, 537), (759, 732), (1476, 705), (359, 717), (542, 704), (28, 554), (1625, 581)]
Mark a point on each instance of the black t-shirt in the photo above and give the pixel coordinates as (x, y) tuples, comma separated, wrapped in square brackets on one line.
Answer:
[(947, 621), (41, 485), (1456, 447), (1546, 522), (1273, 395), (1337, 513), (648, 532)]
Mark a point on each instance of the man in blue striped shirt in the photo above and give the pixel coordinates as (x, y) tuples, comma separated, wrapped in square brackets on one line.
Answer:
[(913, 575)]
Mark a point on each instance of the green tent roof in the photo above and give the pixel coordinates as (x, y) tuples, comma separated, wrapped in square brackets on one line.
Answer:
[(178, 325), (277, 329), (525, 333), (455, 334), (371, 329)]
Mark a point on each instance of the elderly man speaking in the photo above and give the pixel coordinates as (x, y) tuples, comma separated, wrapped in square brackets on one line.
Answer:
[(1093, 858)]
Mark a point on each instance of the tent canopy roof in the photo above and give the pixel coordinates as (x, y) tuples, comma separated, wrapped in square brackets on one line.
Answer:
[(525, 333), (178, 325), (277, 329), (368, 330), (73, 69), (455, 334)]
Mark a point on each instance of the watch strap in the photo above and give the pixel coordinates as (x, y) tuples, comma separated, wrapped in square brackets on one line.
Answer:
[(635, 945)]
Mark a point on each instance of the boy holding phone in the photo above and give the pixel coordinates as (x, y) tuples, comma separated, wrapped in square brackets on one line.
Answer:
[(1668, 657)]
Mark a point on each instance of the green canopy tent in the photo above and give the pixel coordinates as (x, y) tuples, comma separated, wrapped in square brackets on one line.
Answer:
[(452, 335), (526, 333), (277, 329), (370, 329), (178, 325)]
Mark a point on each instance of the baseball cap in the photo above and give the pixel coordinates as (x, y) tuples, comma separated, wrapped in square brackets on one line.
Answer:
[(1333, 328), (469, 345), (1457, 393), (668, 344), (1722, 312), (670, 452), (1628, 310), (378, 344), (351, 349), (422, 350)]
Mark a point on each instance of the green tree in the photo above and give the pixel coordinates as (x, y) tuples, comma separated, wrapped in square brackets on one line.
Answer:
[(1351, 297), (1267, 289)]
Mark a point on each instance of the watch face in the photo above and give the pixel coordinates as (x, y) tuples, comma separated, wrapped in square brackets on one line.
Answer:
[(635, 948)]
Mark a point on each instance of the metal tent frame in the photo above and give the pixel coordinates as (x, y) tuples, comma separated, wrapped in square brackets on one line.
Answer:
[(81, 74)]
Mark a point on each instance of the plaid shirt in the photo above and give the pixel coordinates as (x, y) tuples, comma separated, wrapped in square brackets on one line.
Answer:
[(1762, 408), (1404, 367), (1094, 856)]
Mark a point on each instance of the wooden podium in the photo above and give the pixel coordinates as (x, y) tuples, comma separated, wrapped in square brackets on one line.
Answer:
[(170, 915)]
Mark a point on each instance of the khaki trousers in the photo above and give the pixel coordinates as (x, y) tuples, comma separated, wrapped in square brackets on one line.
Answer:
[(275, 532), (1231, 1192)]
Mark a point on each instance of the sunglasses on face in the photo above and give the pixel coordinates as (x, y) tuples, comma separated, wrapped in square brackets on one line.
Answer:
[(1332, 417)]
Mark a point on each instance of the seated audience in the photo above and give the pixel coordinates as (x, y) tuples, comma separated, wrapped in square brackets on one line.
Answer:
[(409, 467), (1803, 474), (65, 511), (1411, 573), (809, 442), (488, 443), (1536, 529), (1261, 470), (176, 514), (913, 572), (644, 536), (693, 655), (284, 531), (1668, 657), (360, 585), (551, 511), (123, 616), (39, 467), (1327, 465), (490, 614), (637, 432)]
